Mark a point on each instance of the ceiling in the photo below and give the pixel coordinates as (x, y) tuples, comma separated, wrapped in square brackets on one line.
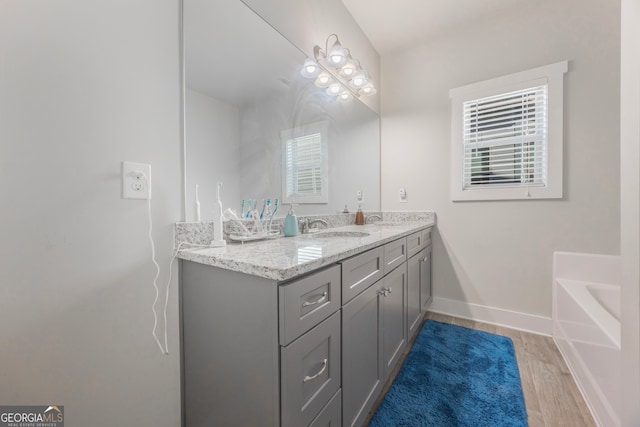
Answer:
[(398, 24)]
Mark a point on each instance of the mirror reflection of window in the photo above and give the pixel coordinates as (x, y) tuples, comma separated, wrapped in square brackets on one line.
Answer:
[(305, 164)]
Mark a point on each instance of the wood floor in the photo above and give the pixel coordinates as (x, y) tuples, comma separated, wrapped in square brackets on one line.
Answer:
[(550, 394)]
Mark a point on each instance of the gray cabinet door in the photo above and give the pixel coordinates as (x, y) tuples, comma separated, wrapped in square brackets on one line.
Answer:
[(394, 337), (310, 373), (425, 278), (362, 368), (414, 305)]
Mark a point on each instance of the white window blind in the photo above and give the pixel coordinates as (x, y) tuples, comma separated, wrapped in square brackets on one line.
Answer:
[(505, 140), (303, 163)]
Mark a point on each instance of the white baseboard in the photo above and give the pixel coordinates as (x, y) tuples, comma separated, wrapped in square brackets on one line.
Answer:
[(495, 316)]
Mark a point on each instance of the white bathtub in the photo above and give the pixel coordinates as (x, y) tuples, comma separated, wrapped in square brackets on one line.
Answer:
[(586, 328)]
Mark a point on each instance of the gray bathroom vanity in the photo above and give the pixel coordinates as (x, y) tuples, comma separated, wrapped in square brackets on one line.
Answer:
[(300, 331)]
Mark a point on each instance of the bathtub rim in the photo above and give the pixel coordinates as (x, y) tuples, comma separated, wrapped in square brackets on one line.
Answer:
[(579, 291)]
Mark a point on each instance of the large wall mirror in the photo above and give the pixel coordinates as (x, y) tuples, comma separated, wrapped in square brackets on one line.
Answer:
[(245, 102)]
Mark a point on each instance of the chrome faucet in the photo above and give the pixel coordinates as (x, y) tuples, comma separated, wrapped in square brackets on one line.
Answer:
[(306, 224), (373, 216)]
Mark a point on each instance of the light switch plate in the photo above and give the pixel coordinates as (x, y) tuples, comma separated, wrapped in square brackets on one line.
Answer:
[(136, 180)]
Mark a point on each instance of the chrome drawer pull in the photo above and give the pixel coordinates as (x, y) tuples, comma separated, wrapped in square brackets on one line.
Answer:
[(324, 366), (318, 301)]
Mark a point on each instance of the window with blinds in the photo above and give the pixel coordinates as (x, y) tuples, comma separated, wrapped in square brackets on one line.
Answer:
[(303, 161), (505, 139), (305, 165)]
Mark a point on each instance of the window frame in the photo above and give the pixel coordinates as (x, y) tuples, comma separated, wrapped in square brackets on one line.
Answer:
[(321, 197), (550, 75)]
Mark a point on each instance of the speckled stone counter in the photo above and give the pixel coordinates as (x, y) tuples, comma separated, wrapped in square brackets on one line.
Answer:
[(287, 257)]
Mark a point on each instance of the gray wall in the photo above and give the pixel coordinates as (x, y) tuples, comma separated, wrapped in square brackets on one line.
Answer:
[(499, 254), (83, 86)]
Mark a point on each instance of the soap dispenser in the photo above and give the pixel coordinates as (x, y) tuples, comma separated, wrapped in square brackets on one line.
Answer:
[(359, 216), (291, 223)]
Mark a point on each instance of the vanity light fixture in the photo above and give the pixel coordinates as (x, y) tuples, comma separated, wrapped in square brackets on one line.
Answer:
[(335, 69)]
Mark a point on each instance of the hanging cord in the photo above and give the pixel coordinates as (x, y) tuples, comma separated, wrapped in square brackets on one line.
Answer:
[(163, 348)]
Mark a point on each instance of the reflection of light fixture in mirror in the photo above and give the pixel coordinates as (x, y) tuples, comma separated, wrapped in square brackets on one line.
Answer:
[(334, 89), (345, 96), (324, 79), (359, 79), (310, 69), (368, 89), (335, 69)]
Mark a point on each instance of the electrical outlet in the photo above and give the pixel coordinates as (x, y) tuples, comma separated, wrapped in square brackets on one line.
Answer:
[(360, 196), (136, 180)]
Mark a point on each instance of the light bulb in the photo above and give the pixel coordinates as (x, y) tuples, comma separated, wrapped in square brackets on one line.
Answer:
[(348, 69), (345, 96), (334, 89), (337, 55), (323, 80), (310, 68), (360, 79), (368, 89)]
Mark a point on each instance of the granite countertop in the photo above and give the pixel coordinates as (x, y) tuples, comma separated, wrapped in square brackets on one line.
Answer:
[(287, 257)]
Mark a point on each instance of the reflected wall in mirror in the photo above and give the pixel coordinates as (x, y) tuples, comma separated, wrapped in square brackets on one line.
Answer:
[(244, 92)]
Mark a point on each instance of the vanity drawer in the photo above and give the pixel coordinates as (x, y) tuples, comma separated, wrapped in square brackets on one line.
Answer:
[(395, 253), (310, 373), (306, 302), (416, 242), (360, 272)]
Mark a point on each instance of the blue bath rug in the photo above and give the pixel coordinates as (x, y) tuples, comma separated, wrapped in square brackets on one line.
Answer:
[(455, 376)]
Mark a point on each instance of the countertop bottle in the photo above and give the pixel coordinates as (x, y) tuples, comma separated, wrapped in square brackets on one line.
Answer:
[(291, 223), (359, 216)]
